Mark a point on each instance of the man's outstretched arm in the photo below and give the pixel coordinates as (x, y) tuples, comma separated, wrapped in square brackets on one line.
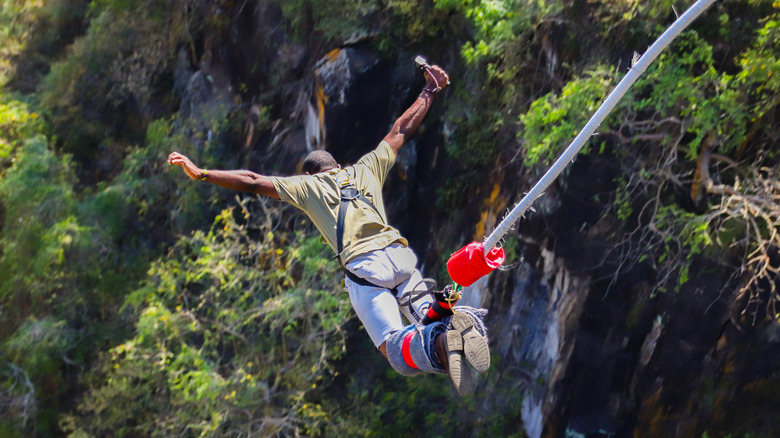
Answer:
[(239, 180), (436, 79)]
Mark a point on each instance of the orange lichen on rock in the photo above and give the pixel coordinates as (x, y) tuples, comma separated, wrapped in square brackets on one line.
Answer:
[(490, 211)]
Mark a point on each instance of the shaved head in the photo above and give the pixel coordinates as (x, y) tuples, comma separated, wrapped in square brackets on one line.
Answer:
[(318, 161)]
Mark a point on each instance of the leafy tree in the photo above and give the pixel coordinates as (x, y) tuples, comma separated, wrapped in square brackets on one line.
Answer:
[(232, 334)]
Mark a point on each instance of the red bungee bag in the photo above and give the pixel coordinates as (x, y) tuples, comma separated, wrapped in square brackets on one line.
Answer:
[(470, 263)]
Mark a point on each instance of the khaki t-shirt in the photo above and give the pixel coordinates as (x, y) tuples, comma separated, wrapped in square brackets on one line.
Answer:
[(319, 196)]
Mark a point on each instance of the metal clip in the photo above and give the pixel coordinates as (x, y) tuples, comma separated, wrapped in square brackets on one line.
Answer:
[(421, 63)]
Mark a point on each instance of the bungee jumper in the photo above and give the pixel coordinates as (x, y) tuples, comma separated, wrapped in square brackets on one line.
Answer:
[(381, 276), (346, 206)]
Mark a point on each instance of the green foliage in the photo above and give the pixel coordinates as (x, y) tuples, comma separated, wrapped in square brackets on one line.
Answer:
[(30, 33), (67, 255), (418, 22), (39, 223), (54, 239), (683, 83), (36, 346), (48, 263), (231, 333), (109, 71), (336, 20), (687, 236), (500, 27), (554, 120), (33, 354), (637, 21), (470, 144), (17, 123), (671, 88), (473, 147), (381, 403), (392, 21), (15, 25), (623, 201), (761, 69)]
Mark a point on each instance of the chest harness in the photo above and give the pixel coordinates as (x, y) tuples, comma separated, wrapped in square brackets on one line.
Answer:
[(351, 193)]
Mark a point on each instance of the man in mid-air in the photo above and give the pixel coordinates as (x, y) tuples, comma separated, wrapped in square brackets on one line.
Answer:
[(346, 206)]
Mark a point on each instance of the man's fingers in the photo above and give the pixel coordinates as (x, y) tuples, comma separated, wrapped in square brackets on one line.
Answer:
[(178, 162), (443, 77), (177, 158), (184, 162), (438, 76)]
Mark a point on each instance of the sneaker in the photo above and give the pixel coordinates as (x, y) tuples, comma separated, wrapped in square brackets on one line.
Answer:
[(475, 347), (449, 350)]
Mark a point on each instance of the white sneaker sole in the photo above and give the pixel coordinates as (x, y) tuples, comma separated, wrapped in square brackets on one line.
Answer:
[(475, 347), (460, 374)]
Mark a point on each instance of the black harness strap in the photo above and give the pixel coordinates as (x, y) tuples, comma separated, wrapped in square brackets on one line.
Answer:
[(363, 282), (348, 193)]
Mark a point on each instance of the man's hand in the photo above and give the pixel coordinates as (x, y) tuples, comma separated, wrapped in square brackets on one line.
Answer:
[(190, 169), (436, 77)]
